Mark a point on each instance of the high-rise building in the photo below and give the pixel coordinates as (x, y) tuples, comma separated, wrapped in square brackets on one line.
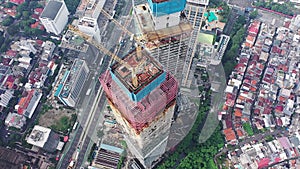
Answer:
[(88, 11), (90, 8), (72, 82), (194, 11), (55, 16), (145, 110), (166, 31), (89, 26)]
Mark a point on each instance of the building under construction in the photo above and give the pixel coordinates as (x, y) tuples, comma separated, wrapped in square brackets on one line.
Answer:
[(194, 12), (144, 110), (142, 88), (166, 32)]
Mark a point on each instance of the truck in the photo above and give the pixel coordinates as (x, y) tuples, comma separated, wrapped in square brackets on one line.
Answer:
[(71, 165), (88, 92)]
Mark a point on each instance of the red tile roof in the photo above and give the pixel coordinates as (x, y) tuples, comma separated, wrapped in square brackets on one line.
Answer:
[(10, 82), (34, 25), (229, 134), (267, 111), (24, 102), (279, 108), (238, 113), (257, 111), (239, 133), (38, 10), (39, 42), (11, 53), (10, 12), (17, 1), (279, 122), (35, 16), (263, 163)]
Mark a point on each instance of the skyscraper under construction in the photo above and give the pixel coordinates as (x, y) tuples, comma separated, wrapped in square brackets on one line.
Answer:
[(145, 108), (166, 31), (194, 11)]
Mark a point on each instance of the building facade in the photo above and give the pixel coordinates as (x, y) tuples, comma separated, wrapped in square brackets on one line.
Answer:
[(144, 111), (194, 11), (69, 89), (55, 16), (166, 31)]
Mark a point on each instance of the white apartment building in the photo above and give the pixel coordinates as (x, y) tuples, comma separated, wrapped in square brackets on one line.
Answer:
[(55, 16), (90, 26)]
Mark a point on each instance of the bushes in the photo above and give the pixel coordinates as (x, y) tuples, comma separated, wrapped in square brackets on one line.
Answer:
[(247, 127)]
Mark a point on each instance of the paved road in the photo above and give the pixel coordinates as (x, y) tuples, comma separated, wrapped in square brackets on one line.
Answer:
[(87, 101), (115, 35)]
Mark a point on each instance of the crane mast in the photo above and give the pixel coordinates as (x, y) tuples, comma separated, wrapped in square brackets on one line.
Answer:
[(107, 52)]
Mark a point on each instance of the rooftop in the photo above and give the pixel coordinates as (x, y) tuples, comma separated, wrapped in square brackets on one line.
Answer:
[(206, 38), (39, 136), (89, 22), (51, 9), (146, 25), (148, 70), (90, 8), (70, 77), (163, 7), (11, 159), (72, 41), (15, 120)]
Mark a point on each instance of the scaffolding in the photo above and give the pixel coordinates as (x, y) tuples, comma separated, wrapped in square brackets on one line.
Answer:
[(149, 75), (140, 114)]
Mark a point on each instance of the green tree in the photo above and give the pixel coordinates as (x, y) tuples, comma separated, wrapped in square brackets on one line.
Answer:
[(13, 29), (22, 7), (26, 14), (8, 5), (23, 80), (18, 16), (5, 45), (8, 21), (253, 14), (34, 4)]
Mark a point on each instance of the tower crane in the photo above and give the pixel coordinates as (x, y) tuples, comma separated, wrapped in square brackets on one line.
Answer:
[(138, 39), (107, 52)]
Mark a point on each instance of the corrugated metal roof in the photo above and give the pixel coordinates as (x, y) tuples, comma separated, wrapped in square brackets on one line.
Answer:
[(111, 148)]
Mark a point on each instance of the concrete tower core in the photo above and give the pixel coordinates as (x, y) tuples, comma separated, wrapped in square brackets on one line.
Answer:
[(166, 31)]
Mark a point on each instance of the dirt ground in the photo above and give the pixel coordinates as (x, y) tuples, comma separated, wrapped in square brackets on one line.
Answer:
[(52, 116)]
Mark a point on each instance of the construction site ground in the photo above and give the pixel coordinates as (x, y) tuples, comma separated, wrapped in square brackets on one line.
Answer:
[(52, 116)]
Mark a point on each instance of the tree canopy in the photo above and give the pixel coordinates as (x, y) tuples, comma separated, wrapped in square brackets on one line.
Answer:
[(285, 8), (8, 21), (237, 37)]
